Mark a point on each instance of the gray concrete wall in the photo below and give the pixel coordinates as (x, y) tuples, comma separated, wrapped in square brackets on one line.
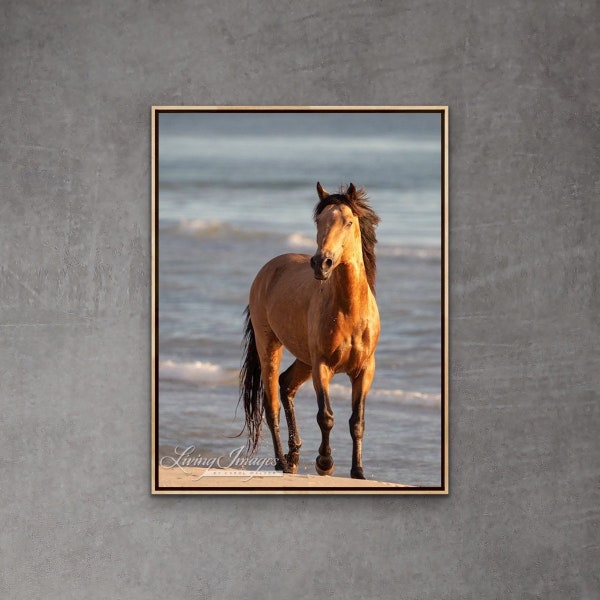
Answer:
[(77, 83)]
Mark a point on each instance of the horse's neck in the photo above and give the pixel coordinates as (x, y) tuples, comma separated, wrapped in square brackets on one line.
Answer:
[(350, 287)]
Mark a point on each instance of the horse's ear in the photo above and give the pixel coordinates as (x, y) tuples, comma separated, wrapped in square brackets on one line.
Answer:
[(351, 191), (323, 193)]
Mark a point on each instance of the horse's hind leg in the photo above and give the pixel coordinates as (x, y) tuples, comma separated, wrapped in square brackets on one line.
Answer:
[(289, 382), (270, 357)]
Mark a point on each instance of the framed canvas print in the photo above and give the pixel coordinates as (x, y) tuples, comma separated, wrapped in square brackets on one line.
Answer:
[(299, 300)]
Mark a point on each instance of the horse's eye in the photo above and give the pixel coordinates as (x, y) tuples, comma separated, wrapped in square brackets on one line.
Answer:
[(349, 224)]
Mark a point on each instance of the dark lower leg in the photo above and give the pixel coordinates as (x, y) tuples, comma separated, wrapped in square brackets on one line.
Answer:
[(273, 423), (360, 387), (294, 442), (357, 426), (270, 366), (324, 463), (289, 382)]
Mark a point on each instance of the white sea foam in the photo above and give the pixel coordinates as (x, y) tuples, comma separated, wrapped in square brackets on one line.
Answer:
[(208, 228), (199, 372), (199, 227), (302, 241), (299, 240), (409, 251), (193, 372), (409, 397), (429, 400)]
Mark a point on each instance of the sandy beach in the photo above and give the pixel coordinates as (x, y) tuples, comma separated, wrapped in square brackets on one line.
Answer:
[(228, 481)]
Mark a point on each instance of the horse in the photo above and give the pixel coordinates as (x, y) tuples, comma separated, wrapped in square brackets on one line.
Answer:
[(323, 310)]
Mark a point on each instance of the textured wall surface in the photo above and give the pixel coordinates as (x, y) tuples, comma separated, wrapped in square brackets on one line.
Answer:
[(77, 83)]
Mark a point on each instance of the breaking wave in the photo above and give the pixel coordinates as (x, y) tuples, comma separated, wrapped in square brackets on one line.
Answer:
[(410, 252), (301, 241), (206, 228), (196, 372), (430, 400)]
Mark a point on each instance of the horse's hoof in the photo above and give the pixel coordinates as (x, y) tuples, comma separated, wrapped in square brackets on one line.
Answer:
[(324, 465), (357, 473), (292, 459), (291, 466), (286, 467)]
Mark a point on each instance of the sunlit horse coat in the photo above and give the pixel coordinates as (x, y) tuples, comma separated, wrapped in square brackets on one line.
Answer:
[(323, 310)]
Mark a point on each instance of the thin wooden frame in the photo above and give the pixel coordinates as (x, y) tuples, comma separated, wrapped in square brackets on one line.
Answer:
[(156, 487)]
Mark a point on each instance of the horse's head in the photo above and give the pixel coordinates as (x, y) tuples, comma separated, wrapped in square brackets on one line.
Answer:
[(338, 231)]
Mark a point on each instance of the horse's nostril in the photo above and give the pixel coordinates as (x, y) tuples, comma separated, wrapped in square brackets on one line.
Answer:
[(327, 263), (312, 262)]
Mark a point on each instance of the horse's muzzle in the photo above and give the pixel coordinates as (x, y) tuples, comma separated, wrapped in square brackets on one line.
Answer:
[(321, 265)]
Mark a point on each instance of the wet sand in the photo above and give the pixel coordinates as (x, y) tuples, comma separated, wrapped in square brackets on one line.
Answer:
[(196, 479)]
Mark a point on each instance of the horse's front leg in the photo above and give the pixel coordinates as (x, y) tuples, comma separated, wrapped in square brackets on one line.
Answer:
[(360, 386), (322, 375)]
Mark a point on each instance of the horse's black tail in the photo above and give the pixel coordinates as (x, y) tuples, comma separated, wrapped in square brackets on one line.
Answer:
[(251, 386)]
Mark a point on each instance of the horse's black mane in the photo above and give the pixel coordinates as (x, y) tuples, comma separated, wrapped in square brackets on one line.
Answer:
[(357, 202)]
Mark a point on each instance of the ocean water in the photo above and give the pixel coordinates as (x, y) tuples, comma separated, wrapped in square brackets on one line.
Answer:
[(235, 190)]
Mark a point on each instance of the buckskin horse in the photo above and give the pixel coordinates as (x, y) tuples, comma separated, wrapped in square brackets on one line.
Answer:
[(323, 310)]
